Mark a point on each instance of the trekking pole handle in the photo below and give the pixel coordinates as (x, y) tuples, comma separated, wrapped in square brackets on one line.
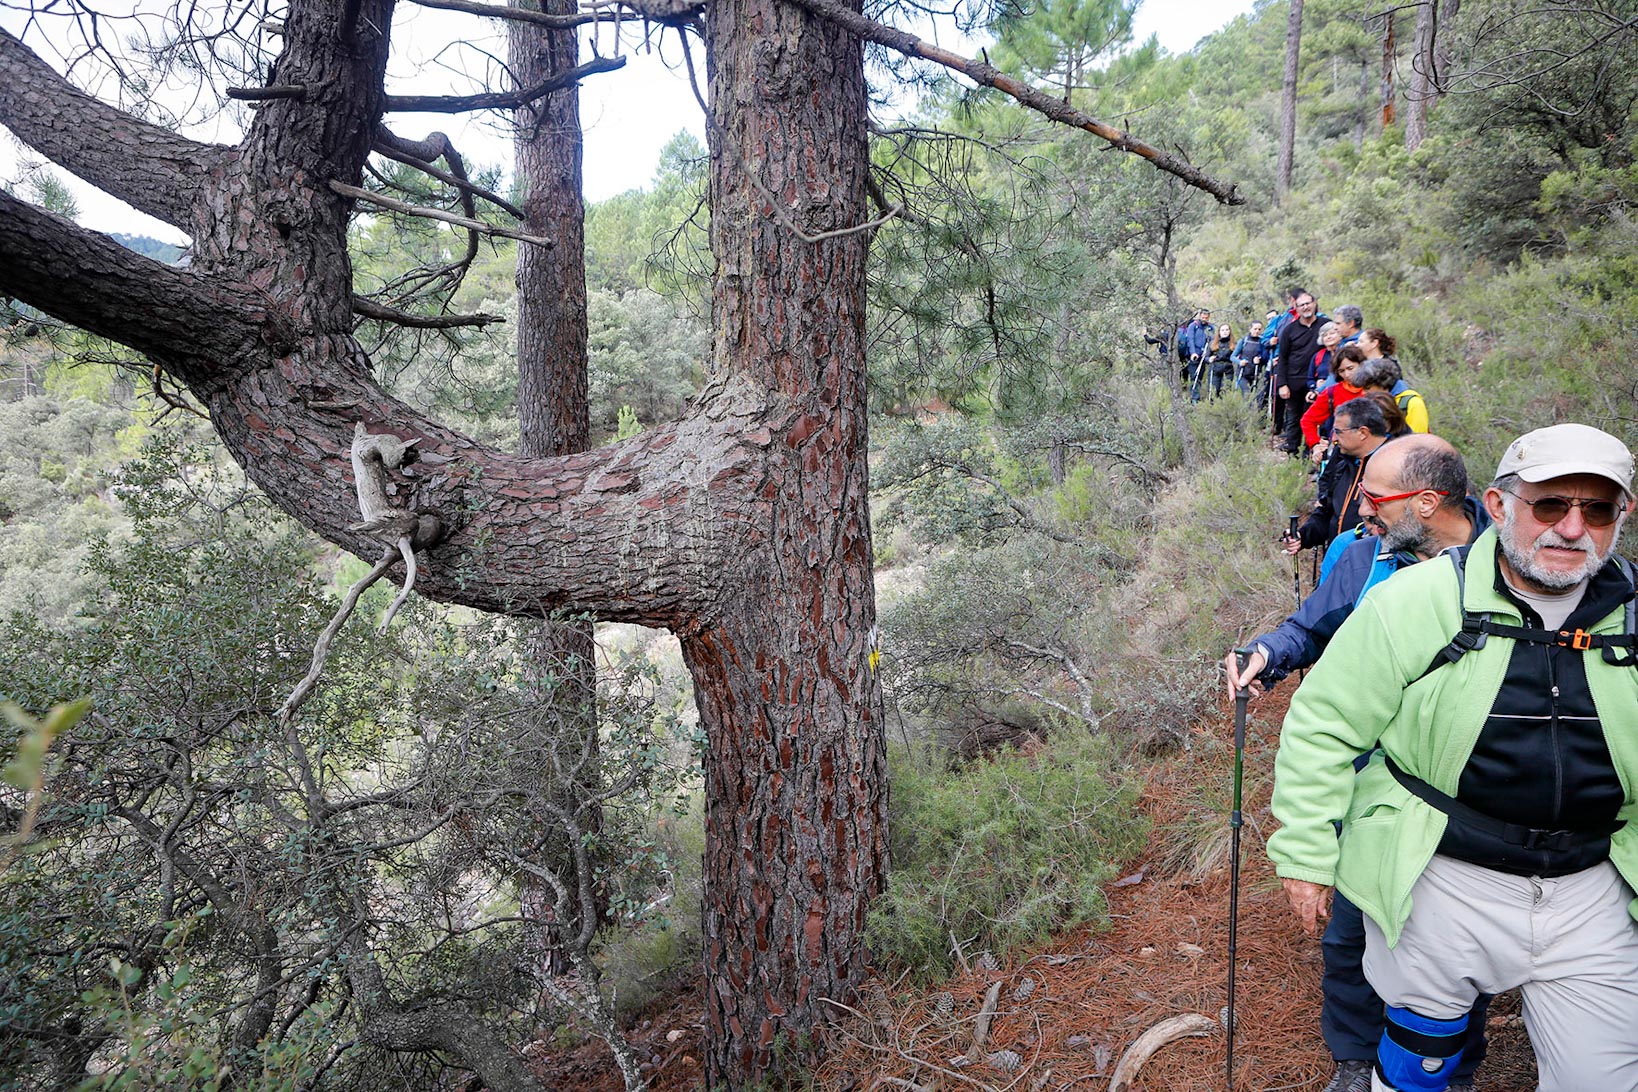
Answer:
[(1242, 695), (1291, 526)]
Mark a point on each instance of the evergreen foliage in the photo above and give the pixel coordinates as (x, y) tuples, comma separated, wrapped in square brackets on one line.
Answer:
[(1057, 586), (206, 896), (1001, 853)]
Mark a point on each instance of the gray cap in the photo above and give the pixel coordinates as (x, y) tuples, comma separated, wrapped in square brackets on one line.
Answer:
[(1560, 450)]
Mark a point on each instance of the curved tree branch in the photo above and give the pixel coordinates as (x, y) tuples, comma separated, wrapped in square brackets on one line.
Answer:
[(420, 154), (373, 309), (359, 193), (521, 15), (148, 167), (500, 100), (988, 75), (83, 277)]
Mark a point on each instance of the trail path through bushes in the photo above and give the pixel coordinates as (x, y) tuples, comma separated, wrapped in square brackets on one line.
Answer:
[(1066, 1013)]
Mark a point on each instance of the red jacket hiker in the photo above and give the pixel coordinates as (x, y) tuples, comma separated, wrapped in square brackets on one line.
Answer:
[(1323, 406)]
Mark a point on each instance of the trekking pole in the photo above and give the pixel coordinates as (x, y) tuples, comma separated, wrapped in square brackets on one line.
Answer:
[(1296, 579), (1296, 565), (1242, 695)]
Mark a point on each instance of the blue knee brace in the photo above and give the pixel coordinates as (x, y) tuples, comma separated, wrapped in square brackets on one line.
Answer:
[(1419, 1053)]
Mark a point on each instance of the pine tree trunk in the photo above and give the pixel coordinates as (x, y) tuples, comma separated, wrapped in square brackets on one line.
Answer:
[(1364, 104), (1442, 59), (554, 418), (1389, 48), (1176, 401), (1288, 103), (1419, 96), (795, 763)]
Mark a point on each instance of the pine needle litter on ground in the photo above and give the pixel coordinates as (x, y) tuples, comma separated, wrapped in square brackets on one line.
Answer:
[(1064, 1016)]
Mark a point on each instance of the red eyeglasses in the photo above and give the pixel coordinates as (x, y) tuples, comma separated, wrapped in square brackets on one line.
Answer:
[(1378, 502)]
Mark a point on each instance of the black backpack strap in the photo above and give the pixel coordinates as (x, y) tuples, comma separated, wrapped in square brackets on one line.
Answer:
[(1630, 629), (1477, 626), (1512, 833), (1471, 636)]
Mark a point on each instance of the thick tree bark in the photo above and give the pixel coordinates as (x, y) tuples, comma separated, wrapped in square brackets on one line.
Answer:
[(743, 527), (1288, 103), (157, 170), (1419, 95), (796, 831), (554, 415), (1442, 59)]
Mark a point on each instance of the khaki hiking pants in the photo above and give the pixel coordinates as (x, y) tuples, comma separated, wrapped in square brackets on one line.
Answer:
[(1567, 942)]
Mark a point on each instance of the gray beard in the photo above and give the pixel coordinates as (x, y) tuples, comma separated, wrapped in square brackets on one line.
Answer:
[(1408, 534), (1524, 564)]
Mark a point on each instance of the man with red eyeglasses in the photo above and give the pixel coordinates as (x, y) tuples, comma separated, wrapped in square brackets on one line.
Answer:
[(1487, 838), (1413, 499)]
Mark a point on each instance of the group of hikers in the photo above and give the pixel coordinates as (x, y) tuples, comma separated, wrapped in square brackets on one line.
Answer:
[(1456, 772), (1299, 365)]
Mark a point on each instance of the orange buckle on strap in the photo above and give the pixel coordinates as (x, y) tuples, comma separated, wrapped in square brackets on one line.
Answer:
[(1580, 639)]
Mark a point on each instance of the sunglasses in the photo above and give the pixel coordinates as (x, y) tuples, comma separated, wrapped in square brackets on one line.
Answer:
[(1378, 502), (1595, 513)]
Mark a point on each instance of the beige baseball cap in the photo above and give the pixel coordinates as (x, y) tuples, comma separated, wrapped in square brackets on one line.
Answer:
[(1558, 450)]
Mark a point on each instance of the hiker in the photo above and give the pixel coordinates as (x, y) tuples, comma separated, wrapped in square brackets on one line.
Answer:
[(1362, 425), (1485, 837), (1192, 341), (1350, 320), (1220, 358), (1383, 373), (1272, 325), (1161, 339), (1319, 369), (1425, 510), (1317, 418), (1297, 343), (1248, 360)]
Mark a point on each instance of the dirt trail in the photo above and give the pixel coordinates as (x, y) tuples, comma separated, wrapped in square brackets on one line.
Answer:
[(1067, 1012)]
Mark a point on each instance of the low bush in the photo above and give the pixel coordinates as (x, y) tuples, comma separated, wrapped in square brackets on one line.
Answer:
[(1003, 852)]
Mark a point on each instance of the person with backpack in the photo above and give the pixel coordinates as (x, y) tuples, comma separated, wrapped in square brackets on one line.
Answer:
[(1487, 838), (1248, 360), (1379, 347), (1295, 347), (1319, 369), (1273, 323), (1440, 516), (1192, 341), (1316, 420), (1362, 426)]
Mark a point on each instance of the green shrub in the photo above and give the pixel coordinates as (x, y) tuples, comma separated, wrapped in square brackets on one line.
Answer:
[(662, 948), (1001, 853)]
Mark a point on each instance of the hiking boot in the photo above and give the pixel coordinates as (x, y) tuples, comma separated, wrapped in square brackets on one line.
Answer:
[(1351, 1076)]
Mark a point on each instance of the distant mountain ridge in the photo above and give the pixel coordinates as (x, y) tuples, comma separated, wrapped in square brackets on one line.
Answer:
[(149, 247)]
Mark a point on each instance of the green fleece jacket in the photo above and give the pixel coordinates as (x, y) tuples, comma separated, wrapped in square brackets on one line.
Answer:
[(1361, 694)]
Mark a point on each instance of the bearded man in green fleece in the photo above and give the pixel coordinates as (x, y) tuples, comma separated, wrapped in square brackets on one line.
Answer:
[(1487, 839)]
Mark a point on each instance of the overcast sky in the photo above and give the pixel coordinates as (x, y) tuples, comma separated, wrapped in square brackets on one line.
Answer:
[(628, 115)]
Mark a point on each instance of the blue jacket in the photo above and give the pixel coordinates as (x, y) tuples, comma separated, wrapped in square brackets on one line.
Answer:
[(1249, 349), (1193, 339), (1247, 354), (1271, 332), (1298, 641)]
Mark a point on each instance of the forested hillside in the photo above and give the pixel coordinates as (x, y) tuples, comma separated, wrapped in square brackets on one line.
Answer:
[(213, 878)]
